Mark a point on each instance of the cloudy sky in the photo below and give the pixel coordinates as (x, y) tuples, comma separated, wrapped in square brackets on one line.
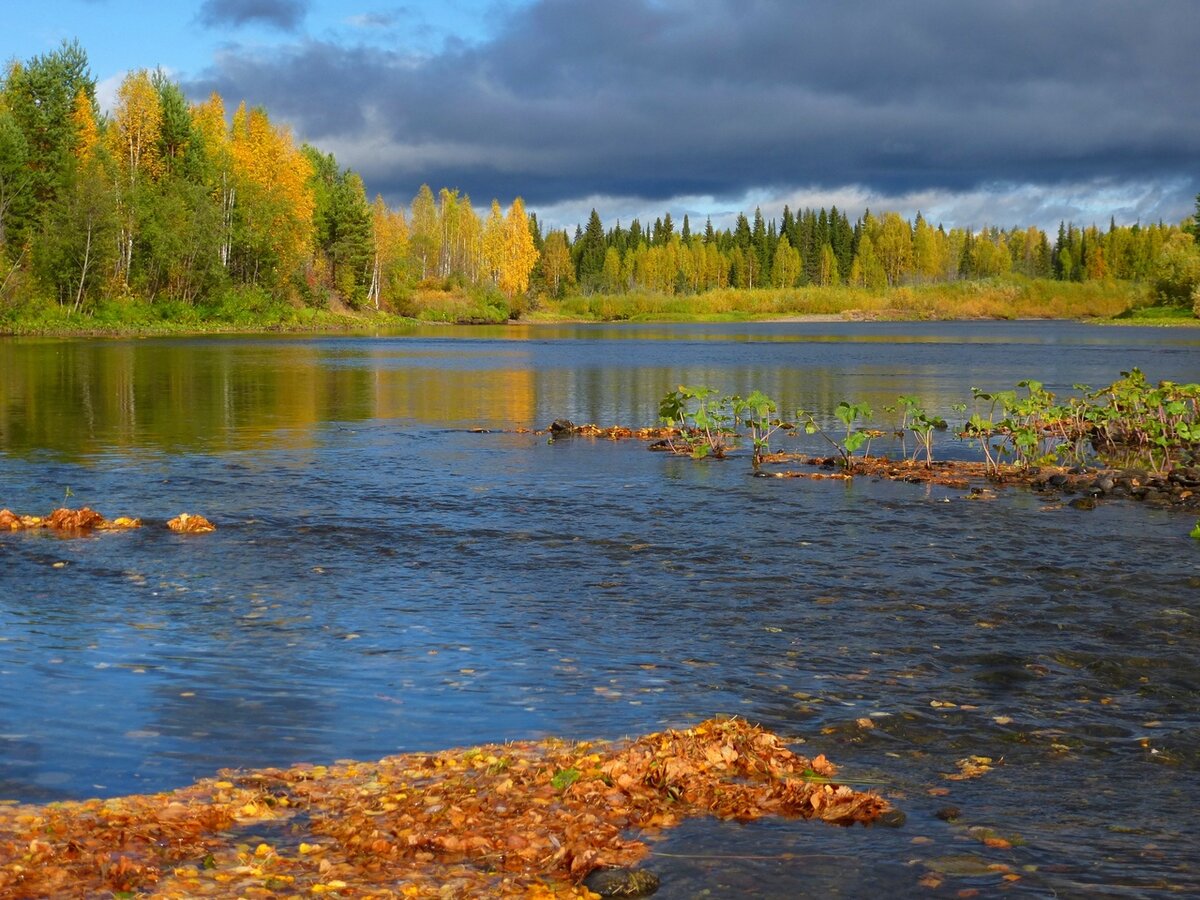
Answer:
[(1004, 112)]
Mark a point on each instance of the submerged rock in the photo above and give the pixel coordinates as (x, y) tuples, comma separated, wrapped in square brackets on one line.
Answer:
[(621, 882)]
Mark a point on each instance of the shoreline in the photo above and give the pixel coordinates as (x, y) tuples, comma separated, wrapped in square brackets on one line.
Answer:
[(353, 322)]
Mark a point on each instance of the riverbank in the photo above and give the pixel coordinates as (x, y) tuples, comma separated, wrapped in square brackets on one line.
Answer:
[(1093, 302)]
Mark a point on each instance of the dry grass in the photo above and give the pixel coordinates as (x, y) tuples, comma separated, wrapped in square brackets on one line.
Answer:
[(993, 299)]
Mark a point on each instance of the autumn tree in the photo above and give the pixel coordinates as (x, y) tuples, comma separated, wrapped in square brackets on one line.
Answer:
[(787, 266), (557, 269), (424, 240), (389, 248), (520, 252), (274, 213), (216, 148)]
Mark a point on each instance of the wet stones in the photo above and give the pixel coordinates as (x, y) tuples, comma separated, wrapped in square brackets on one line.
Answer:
[(1177, 489), (614, 882)]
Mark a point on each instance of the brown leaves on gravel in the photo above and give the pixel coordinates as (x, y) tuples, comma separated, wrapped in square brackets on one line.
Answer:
[(527, 818)]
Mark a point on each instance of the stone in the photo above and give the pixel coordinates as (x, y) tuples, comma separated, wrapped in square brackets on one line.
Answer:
[(614, 882)]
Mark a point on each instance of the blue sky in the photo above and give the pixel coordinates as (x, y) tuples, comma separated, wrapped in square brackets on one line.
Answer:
[(1005, 113)]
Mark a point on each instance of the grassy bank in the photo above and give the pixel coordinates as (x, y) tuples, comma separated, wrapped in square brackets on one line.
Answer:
[(250, 310), (992, 299)]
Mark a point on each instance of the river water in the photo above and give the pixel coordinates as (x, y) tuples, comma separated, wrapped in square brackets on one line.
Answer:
[(385, 580)]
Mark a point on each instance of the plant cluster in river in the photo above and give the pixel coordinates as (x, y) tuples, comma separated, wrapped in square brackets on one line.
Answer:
[(1130, 422), (524, 818)]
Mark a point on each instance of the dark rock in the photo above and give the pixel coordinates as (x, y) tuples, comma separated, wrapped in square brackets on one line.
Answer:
[(948, 813), (1105, 483), (562, 426), (621, 882), (1083, 503), (660, 445), (1057, 480), (893, 818)]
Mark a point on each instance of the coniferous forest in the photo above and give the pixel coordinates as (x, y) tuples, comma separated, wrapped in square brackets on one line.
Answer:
[(164, 210)]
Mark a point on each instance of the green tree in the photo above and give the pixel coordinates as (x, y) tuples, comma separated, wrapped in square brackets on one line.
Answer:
[(589, 254), (78, 240), (40, 97), (14, 173)]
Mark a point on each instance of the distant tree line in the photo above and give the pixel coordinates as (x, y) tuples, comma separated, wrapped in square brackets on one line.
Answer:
[(168, 201), (820, 247)]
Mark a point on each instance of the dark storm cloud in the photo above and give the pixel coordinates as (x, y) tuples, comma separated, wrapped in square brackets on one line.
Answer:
[(661, 98), (283, 14)]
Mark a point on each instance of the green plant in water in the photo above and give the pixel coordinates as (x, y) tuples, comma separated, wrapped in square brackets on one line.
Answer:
[(849, 414), (1195, 532), (703, 419), (922, 425), (756, 413)]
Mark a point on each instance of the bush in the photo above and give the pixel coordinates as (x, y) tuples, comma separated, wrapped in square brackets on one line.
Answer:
[(1176, 273)]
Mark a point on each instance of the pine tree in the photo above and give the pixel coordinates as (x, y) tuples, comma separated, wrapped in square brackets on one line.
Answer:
[(591, 249)]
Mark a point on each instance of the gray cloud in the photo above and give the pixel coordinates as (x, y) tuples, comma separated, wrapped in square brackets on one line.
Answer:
[(655, 99), (285, 15)]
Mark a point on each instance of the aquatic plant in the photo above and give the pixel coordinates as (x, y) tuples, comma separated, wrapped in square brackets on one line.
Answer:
[(922, 425), (704, 420), (756, 413), (854, 438)]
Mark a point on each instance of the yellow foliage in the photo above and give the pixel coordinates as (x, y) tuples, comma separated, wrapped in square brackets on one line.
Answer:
[(519, 253), (137, 124), (83, 116), (273, 176)]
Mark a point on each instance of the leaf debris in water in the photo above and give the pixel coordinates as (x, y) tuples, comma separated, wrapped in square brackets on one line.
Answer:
[(533, 818)]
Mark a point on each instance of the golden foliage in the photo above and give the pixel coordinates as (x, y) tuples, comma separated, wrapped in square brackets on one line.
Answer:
[(136, 126), (519, 255), (87, 131), (77, 520), (523, 818), (273, 176), (187, 523)]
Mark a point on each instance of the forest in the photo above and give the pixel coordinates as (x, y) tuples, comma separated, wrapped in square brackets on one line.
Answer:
[(168, 210)]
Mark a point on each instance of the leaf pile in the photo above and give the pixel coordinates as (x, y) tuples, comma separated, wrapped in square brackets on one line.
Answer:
[(187, 523), (67, 520), (527, 818), (85, 520)]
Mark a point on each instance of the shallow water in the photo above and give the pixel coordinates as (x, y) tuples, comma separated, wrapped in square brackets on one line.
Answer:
[(383, 580)]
